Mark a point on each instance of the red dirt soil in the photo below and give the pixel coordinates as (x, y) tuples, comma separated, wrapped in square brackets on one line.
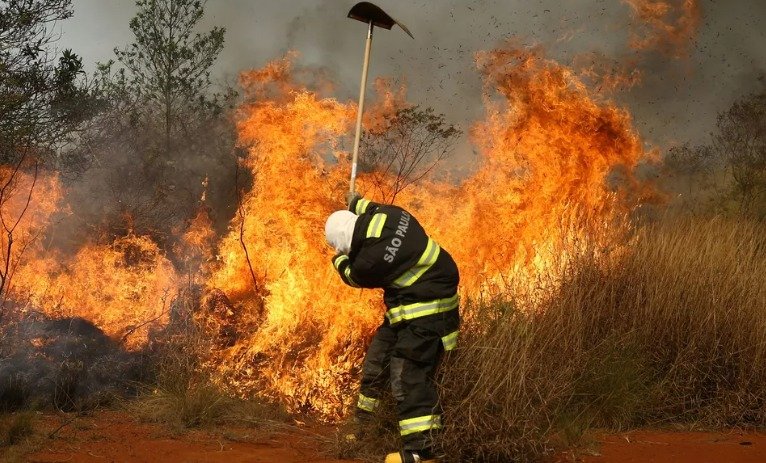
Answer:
[(674, 447), (115, 437)]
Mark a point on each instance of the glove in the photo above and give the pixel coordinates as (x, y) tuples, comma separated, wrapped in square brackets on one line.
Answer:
[(350, 197), (336, 257)]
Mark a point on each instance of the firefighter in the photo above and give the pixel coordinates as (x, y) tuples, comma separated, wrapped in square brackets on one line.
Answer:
[(384, 246)]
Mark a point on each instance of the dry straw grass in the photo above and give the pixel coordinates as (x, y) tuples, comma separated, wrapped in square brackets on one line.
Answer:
[(18, 436), (15, 428), (672, 332), (183, 394)]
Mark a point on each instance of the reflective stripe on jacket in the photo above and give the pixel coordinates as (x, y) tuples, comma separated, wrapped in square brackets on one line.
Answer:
[(390, 250)]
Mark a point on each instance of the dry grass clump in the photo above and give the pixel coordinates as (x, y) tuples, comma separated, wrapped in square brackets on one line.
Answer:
[(184, 395), (197, 406), (196, 402), (673, 331), (15, 428), (371, 441), (18, 436)]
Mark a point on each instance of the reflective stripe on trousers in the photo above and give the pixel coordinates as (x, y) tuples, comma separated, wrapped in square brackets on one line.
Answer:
[(450, 341), (420, 424), (367, 404)]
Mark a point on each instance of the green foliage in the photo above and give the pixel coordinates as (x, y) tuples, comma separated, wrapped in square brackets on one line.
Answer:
[(741, 140), (167, 128), (727, 175), (165, 73), (43, 101)]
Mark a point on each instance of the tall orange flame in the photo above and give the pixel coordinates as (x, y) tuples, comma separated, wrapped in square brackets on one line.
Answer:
[(667, 26), (550, 153), (124, 288), (556, 164)]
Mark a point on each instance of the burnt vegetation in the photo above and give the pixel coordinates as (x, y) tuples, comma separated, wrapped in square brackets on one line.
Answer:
[(672, 332)]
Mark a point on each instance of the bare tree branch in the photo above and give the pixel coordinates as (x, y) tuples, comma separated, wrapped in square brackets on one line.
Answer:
[(415, 142)]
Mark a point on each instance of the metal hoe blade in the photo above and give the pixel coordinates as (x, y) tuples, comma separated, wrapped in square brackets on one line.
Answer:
[(369, 13), (373, 15)]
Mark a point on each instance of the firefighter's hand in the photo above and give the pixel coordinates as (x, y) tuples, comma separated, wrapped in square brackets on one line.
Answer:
[(336, 259), (350, 197)]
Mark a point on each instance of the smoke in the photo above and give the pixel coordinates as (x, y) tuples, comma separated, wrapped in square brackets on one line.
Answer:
[(66, 363), (678, 100)]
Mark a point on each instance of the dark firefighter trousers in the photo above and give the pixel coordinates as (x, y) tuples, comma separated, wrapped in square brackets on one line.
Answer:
[(406, 356)]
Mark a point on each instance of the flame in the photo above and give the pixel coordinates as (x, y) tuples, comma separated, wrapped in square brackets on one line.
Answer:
[(390, 100), (122, 287), (608, 75), (198, 243), (307, 327), (556, 164), (667, 26), (548, 150), (125, 288), (28, 200)]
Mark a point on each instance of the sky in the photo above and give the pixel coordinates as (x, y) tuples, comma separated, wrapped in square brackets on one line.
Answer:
[(677, 102)]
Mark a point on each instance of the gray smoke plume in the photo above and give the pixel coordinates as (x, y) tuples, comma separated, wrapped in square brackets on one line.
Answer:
[(678, 100)]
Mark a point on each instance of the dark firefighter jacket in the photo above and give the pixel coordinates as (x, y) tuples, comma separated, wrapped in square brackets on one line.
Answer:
[(390, 250)]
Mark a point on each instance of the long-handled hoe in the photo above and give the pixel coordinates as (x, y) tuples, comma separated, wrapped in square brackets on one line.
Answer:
[(373, 16)]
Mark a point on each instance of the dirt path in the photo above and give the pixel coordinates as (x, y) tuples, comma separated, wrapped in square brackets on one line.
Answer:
[(675, 447), (115, 437)]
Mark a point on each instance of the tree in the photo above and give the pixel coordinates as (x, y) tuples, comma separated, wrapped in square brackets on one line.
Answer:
[(406, 149), (166, 129), (729, 173), (43, 101), (741, 142), (691, 176), (166, 71)]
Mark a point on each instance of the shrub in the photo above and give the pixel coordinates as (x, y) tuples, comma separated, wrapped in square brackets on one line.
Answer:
[(14, 394), (182, 392)]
